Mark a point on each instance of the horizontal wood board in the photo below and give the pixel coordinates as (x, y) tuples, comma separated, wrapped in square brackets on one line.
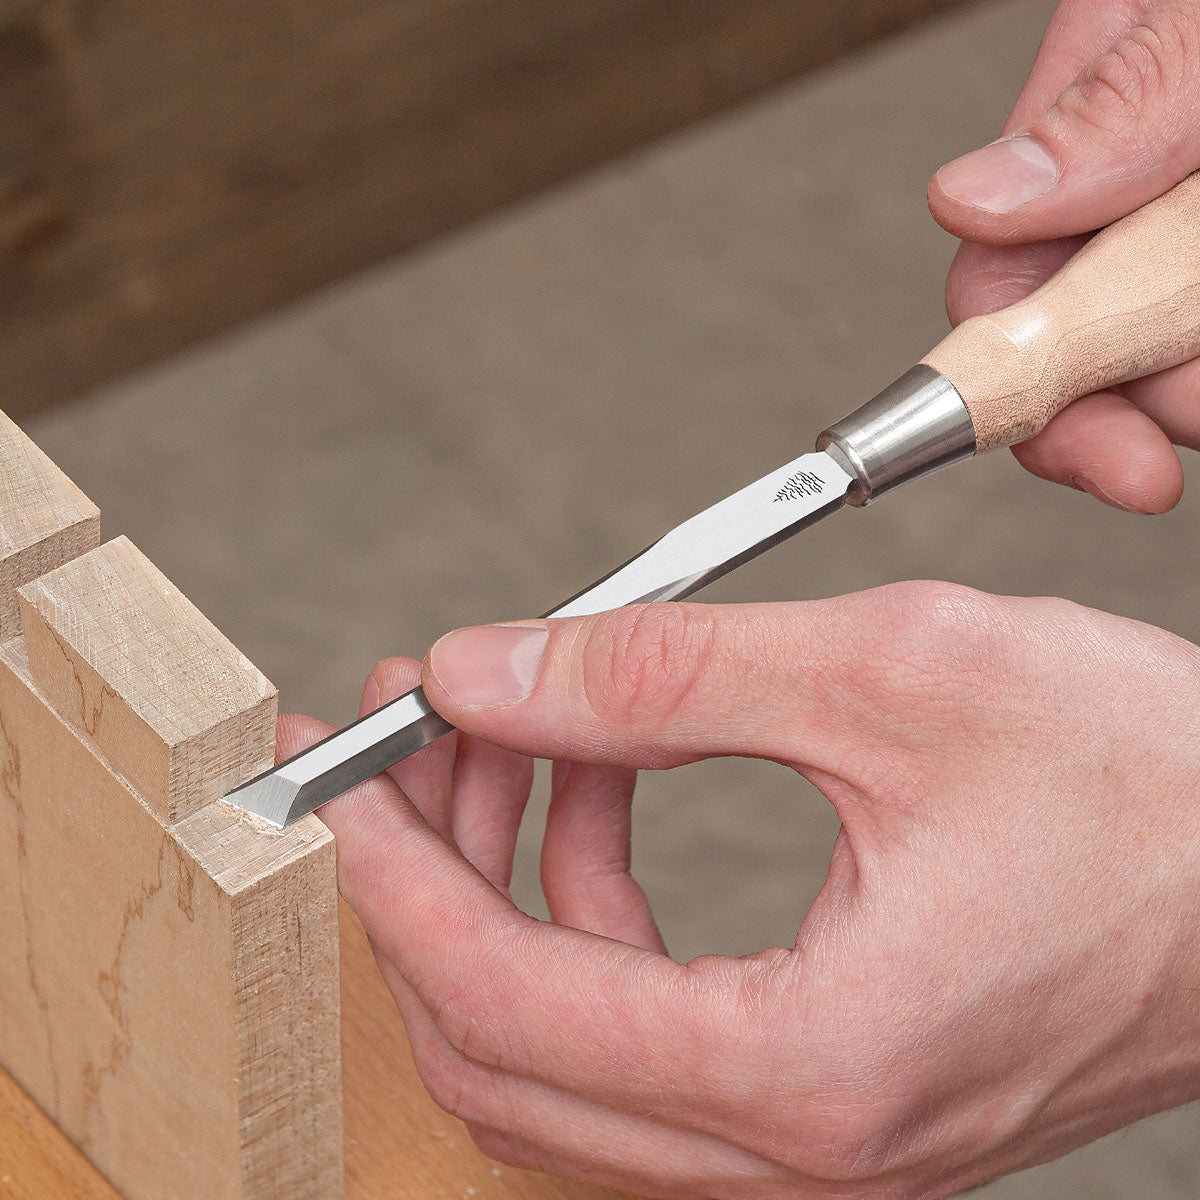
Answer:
[(168, 170)]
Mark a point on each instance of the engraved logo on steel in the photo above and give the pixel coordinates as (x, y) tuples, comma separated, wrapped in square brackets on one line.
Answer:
[(800, 485)]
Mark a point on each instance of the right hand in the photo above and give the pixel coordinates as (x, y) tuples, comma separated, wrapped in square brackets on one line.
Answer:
[(1109, 120)]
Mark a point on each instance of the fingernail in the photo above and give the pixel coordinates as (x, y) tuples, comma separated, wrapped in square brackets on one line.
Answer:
[(1094, 489), (1001, 176), (490, 665), (370, 696)]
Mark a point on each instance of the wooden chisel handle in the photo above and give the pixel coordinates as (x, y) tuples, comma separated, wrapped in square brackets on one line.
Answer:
[(1127, 305)]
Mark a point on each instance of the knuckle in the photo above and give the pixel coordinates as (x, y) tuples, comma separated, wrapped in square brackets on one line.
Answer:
[(926, 640), (851, 1145), (1115, 89), (505, 1148), (450, 1081), (865, 1121), (466, 1014), (458, 1017), (841, 1133), (764, 988), (644, 663), (853, 1112), (1152, 61)]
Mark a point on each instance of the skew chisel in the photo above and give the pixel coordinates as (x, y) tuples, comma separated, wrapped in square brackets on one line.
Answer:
[(1127, 305)]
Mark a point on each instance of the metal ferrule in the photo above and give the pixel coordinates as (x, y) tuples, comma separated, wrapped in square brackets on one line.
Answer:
[(915, 427)]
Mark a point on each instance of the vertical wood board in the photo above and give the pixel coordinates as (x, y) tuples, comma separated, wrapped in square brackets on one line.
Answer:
[(45, 520), (106, 901), (155, 997)]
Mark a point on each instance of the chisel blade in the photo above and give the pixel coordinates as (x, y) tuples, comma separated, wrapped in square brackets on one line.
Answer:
[(696, 553)]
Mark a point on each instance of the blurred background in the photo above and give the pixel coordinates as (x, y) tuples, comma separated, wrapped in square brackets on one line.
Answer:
[(369, 319)]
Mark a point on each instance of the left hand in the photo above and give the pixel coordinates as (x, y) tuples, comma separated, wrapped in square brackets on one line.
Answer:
[(1002, 964), (1108, 120)]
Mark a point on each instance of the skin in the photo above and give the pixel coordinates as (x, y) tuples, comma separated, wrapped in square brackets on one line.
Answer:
[(1004, 961), (1115, 96), (933, 1025)]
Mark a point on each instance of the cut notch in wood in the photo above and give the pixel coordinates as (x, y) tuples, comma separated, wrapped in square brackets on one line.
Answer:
[(127, 659)]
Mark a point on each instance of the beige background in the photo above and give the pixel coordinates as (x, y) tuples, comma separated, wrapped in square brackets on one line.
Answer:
[(477, 430)]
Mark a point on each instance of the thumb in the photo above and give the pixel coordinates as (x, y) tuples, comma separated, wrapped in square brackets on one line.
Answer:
[(645, 686), (1126, 131), (811, 684)]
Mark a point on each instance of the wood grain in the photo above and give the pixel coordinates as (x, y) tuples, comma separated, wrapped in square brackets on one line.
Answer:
[(258, 151), (399, 1144), (1127, 305), (124, 656), (169, 995), (45, 520)]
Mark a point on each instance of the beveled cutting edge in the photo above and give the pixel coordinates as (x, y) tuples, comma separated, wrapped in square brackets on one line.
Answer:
[(692, 555)]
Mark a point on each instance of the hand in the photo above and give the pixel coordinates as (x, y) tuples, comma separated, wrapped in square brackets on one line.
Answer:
[(1109, 119), (1003, 964)]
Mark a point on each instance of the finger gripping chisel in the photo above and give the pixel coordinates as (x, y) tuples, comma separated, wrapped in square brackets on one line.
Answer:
[(1127, 305)]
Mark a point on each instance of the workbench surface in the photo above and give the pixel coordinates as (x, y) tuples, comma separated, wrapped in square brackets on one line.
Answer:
[(399, 1144)]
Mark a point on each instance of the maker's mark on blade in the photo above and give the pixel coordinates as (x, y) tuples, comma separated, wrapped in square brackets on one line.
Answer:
[(801, 485), (721, 538)]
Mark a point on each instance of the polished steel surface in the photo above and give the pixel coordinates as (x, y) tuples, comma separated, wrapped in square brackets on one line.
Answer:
[(694, 554), (916, 426)]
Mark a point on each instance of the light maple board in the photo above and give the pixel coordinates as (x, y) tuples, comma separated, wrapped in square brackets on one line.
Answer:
[(156, 1000), (399, 1144), (168, 967)]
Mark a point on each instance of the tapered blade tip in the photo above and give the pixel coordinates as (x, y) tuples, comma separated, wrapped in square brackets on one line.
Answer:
[(272, 797)]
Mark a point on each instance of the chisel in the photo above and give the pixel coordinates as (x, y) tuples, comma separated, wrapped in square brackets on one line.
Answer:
[(1127, 305)]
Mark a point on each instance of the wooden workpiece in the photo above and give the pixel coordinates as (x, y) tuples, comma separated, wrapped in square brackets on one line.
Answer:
[(170, 995), (399, 1144), (169, 973)]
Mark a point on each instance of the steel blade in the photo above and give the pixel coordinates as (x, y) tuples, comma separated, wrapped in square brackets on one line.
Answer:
[(693, 554)]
